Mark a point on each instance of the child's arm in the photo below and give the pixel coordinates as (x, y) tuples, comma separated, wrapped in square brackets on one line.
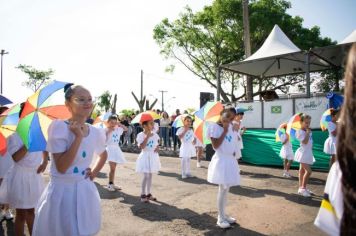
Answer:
[(65, 159), (144, 143), (183, 133), (307, 136), (19, 154), (216, 142), (98, 166), (44, 163)]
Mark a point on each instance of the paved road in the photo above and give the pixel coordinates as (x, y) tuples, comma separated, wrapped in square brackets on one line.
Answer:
[(265, 204)]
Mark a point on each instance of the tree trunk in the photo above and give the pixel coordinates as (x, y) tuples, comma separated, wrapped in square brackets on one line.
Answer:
[(247, 44)]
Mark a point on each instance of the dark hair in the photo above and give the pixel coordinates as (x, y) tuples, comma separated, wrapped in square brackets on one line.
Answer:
[(232, 110), (241, 113), (346, 148), (333, 112), (145, 123), (69, 90), (113, 117), (3, 109), (22, 106), (188, 117), (304, 117)]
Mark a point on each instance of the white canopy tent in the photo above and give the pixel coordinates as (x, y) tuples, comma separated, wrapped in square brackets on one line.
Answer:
[(278, 56)]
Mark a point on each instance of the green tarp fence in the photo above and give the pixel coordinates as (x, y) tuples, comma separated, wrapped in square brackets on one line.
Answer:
[(261, 148)]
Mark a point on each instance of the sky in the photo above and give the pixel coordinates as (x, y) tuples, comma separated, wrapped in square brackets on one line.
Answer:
[(104, 44)]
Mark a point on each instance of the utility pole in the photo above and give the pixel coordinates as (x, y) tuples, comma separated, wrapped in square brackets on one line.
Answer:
[(2, 52), (162, 92), (247, 44)]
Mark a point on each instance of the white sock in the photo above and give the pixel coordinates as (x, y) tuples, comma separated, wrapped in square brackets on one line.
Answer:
[(187, 166), (144, 184), (183, 166), (222, 193), (149, 183)]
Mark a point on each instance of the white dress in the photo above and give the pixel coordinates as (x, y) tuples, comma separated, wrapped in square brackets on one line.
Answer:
[(112, 146), (330, 142), (304, 153), (6, 163), (148, 160), (332, 208), (223, 168), (70, 204), (187, 148), (286, 150), (22, 187)]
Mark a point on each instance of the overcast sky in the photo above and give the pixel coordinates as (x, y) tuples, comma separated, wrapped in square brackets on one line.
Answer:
[(104, 44)]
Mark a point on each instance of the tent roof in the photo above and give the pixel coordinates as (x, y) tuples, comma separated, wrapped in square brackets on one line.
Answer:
[(351, 38), (278, 56), (277, 43)]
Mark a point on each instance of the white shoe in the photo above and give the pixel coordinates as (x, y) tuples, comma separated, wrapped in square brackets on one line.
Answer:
[(117, 187), (198, 165), (223, 224), (230, 220), (111, 188), (304, 192), (184, 176), (190, 175), (8, 215), (287, 175), (309, 191)]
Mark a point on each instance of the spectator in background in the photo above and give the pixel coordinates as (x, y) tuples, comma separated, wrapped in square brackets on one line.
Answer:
[(164, 130), (175, 138)]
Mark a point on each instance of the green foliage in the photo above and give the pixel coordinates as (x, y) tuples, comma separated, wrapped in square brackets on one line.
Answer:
[(104, 101), (127, 112), (36, 78), (204, 40)]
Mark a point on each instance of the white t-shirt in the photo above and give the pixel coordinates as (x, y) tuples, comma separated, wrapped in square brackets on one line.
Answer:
[(60, 138), (229, 145), (331, 210), (331, 128), (300, 135), (152, 142), (188, 136), (31, 159), (113, 138)]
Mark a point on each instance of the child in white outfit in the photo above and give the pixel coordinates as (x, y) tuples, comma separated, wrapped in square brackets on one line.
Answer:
[(187, 148), (223, 168), (330, 142), (286, 152), (148, 161), (70, 204)]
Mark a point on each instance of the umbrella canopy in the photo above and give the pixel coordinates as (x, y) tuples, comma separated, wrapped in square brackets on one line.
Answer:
[(335, 100), (325, 119), (280, 131), (240, 110), (8, 122), (179, 121), (101, 120), (4, 100), (37, 115), (145, 116), (294, 124), (208, 114)]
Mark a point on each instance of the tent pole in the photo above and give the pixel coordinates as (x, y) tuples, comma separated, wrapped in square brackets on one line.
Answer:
[(307, 73), (218, 83)]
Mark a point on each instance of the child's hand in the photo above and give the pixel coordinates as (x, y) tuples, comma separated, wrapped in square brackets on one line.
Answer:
[(226, 125), (42, 168), (156, 149), (89, 174), (76, 128), (308, 131), (236, 127)]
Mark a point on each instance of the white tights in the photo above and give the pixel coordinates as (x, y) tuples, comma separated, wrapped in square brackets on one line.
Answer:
[(185, 165), (146, 183), (222, 200)]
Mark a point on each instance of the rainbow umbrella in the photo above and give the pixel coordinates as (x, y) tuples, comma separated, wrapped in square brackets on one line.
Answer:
[(8, 124), (145, 116), (38, 113), (325, 119), (208, 114), (179, 121), (280, 131), (293, 125)]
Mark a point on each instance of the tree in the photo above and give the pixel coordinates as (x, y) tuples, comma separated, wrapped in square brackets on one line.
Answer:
[(204, 40), (104, 101), (127, 112), (36, 78)]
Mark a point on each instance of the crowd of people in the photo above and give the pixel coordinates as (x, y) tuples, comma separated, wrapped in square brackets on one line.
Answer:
[(70, 203)]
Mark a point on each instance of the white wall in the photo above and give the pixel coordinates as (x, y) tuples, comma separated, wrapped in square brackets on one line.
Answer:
[(314, 107), (273, 120), (252, 117)]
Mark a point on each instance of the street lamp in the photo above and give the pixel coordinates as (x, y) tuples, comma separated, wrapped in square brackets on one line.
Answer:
[(2, 52)]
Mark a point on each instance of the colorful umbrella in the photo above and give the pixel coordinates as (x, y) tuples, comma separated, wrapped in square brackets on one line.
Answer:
[(8, 123), (37, 115), (293, 125), (325, 119), (280, 131), (208, 114), (179, 121), (145, 116)]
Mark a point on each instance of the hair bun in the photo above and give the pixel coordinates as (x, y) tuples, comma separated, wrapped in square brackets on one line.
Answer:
[(67, 86)]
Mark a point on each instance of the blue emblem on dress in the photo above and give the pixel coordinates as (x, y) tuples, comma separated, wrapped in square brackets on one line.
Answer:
[(228, 138), (115, 138), (76, 170), (83, 172), (188, 136), (150, 144), (84, 154)]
